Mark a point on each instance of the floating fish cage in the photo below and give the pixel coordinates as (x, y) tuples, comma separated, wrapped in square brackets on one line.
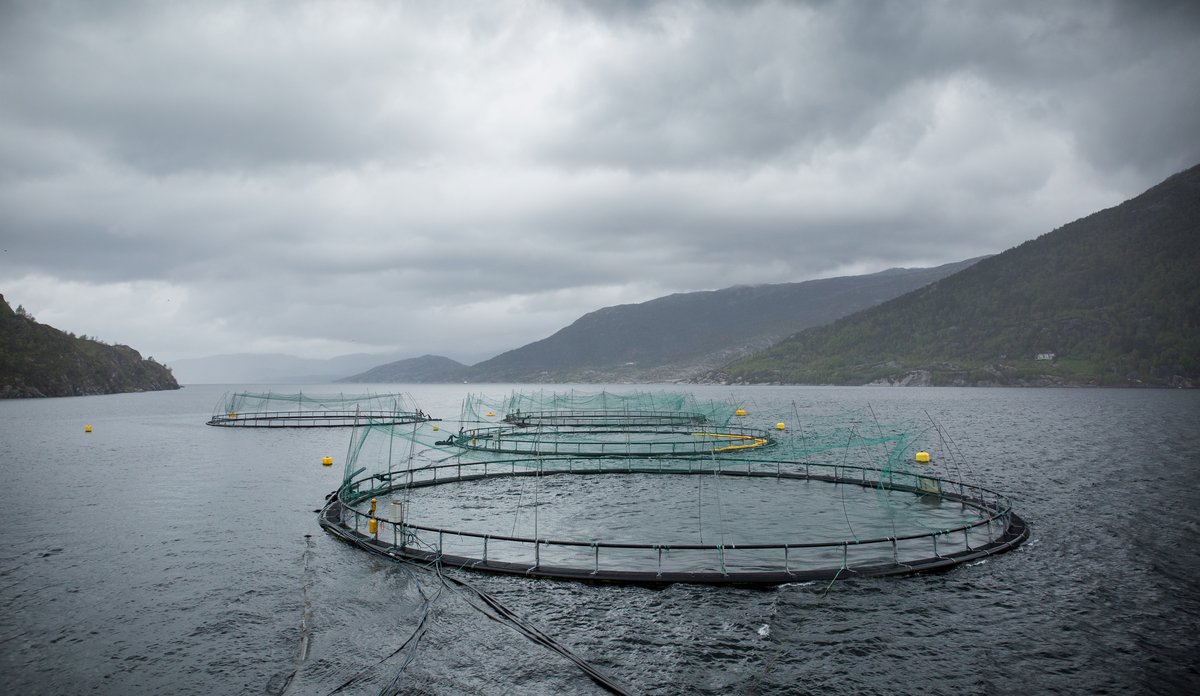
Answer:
[(576, 424), (589, 439), (824, 502), (569, 418), (300, 410)]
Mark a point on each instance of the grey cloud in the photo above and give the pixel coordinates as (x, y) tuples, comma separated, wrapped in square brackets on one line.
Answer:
[(775, 81), (427, 176), (184, 87)]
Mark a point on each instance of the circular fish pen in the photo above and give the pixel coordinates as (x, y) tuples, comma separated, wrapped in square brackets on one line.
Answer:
[(602, 495), (929, 523), (593, 438), (300, 410), (565, 418)]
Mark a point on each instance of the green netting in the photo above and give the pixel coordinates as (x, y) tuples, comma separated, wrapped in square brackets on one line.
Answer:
[(274, 409), (634, 425), (248, 402), (635, 407), (864, 500)]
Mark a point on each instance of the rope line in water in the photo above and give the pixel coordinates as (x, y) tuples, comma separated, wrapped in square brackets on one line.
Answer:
[(502, 615), (506, 616), (409, 643), (305, 623)]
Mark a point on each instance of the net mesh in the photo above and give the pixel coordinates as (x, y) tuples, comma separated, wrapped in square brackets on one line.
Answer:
[(867, 507), (631, 424), (274, 409)]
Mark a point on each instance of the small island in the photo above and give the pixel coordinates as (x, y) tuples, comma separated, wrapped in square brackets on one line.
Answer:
[(37, 360)]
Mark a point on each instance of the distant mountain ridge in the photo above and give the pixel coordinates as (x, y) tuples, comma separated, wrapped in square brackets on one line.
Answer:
[(674, 337), (670, 338), (425, 369), (1109, 299), (37, 360), (260, 368)]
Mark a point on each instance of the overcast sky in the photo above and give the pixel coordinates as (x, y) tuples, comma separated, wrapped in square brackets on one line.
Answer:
[(462, 178)]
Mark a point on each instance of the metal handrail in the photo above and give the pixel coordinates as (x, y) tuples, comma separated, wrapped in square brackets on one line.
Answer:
[(999, 509)]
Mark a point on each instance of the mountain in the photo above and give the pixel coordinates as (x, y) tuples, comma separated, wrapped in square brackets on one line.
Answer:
[(422, 370), (253, 368), (1110, 299), (39, 360), (674, 337)]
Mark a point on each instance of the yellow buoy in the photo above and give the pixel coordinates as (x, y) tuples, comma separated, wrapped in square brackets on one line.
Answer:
[(490, 414), (373, 501), (740, 412), (435, 427), (232, 414), (87, 428), (780, 426), (923, 457), (373, 526), (327, 461)]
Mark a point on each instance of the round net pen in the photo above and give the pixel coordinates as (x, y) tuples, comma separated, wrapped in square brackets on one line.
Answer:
[(604, 424), (300, 410), (829, 503)]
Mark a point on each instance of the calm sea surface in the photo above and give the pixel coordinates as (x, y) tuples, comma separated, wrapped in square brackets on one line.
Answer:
[(157, 555)]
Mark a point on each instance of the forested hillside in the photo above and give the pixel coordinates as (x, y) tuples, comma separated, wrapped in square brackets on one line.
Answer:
[(678, 336), (39, 360), (1110, 299)]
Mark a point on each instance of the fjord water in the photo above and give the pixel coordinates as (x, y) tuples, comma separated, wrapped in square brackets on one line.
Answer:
[(158, 555)]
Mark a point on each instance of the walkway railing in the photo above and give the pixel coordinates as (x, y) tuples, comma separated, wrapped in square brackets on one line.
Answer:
[(995, 529), (627, 441), (603, 418), (313, 419)]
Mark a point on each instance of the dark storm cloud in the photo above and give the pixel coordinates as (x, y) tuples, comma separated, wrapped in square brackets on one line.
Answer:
[(744, 83), (332, 177)]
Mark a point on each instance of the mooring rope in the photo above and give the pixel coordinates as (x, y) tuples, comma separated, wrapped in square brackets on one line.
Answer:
[(305, 619), (505, 615), (887, 461), (502, 615), (411, 642), (841, 486)]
